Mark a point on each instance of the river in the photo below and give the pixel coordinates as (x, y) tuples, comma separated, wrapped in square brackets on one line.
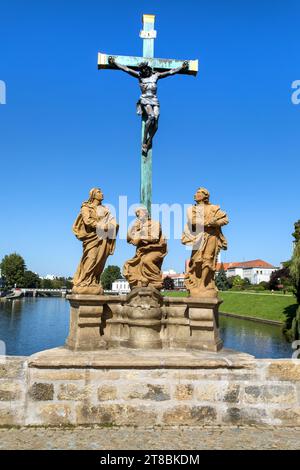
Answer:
[(33, 324)]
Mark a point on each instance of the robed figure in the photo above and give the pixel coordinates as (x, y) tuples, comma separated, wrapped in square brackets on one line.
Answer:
[(97, 229), (144, 269), (203, 233)]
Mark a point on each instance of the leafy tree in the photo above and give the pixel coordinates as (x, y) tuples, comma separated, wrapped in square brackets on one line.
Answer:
[(221, 279), (291, 327), (109, 275), (31, 280), (13, 268), (168, 283), (280, 277), (46, 284)]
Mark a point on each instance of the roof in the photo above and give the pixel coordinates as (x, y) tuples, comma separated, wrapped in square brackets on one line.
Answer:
[(256, 263)]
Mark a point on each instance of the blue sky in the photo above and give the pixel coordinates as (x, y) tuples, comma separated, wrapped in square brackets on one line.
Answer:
[(68, 127)]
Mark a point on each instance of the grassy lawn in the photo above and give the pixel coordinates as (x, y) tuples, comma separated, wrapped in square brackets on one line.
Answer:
[(268, 307)]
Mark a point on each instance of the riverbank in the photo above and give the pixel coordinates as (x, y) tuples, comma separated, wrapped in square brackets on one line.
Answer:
[(259, 306)]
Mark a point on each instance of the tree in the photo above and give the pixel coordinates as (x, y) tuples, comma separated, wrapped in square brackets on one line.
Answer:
[(221, 279), (291, 327), (168, 283), (46, 284), (31, 280), (109, 275), (280, 277), (13, 268)]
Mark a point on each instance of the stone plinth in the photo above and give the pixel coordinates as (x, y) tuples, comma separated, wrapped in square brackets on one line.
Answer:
[(143, 320), (88, 320), (192, 323)]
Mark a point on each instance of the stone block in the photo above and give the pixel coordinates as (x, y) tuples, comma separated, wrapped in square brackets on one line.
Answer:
[(107, 392), (288, 416), (274, 393), (244, 416), (70, 391), (40, 391), (9, 391), (116, 415), (184, 392), (54, 414), (189, 415), (57, 374), (287, 369), (11, 368), (147, 391), (11, 415)]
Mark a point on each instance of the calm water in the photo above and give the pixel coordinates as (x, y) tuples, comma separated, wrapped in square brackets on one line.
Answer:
[(31, 325)]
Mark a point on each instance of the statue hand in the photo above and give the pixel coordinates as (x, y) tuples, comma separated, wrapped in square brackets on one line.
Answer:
[(185, 65), (111, 60)]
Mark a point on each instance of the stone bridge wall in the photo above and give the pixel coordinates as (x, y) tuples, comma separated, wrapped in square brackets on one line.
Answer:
[(260, 392)]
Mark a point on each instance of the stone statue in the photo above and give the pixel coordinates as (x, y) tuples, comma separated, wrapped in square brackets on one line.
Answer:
[(204, 234), (144, 269), (148, 103), (97, 229)]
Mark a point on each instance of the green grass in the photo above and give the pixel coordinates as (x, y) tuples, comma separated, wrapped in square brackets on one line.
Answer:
[(267, 307)]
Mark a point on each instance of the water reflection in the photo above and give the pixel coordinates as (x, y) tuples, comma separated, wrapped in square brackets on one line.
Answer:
[(33, 324)]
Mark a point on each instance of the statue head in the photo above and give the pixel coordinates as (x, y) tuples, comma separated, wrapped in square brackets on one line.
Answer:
[(201, 195), (96, 193), (142, 213), (145, 69)]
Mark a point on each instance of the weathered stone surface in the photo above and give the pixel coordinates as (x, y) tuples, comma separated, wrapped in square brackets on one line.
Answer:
[(270, 393), (74, 392), (41, 391), (52, 414), (185, 415), (107, 392), (232, 393), (286, 369), (147, 391), (184, 392), (9, 391), (57, 374), (11, 415), (288, 416), (116, 414), (12, 367), (244, 415), (209, 391)]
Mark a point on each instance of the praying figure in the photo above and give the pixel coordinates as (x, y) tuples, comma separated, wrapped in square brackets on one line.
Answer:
[(148, 104), (144, 269)]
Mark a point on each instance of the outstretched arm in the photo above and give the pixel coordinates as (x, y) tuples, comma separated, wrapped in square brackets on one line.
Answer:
[(184, 66), (112, 61)]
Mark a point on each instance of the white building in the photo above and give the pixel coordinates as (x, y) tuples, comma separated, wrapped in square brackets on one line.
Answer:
[(120, 286), (256, 270), (178, 278)]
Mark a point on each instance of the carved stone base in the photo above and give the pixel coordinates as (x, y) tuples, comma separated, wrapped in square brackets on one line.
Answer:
[(143, 313), (192, 323), (85, 323)]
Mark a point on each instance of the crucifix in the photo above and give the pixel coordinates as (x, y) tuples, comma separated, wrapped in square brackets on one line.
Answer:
[(148, 70)]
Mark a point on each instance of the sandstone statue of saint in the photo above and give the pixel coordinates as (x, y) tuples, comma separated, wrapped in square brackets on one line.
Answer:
[(204, 234), (144, 269), (148, 103), (97, 229)]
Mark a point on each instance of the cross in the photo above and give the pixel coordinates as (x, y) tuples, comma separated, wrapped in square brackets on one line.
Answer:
[(148, 34)]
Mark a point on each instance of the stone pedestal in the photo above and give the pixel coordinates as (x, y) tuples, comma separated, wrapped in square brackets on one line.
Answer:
[(192, 323), (143, 315), (86, 329)]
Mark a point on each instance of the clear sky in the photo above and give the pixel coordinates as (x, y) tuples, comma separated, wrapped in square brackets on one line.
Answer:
[(68, 127)]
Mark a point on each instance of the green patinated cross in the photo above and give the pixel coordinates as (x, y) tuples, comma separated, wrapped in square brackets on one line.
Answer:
[(148, 34)]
